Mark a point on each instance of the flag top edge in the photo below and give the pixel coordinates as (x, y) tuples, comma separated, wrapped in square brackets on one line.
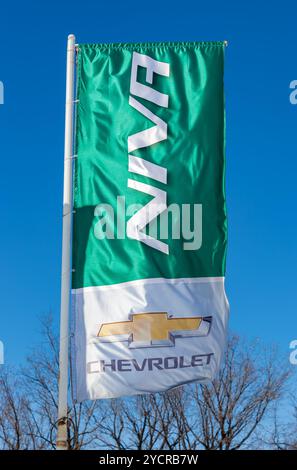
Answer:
[(151, 45)]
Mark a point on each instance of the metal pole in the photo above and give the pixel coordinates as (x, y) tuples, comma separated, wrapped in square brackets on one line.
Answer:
[(62, 442)]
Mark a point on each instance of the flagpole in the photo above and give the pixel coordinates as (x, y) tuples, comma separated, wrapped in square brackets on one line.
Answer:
[(62, 434)]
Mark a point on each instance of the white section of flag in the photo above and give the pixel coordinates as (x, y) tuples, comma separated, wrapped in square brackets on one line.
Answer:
[(94, 306)]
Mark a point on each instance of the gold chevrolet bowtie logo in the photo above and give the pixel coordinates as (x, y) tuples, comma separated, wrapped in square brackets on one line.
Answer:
[(154, 329)]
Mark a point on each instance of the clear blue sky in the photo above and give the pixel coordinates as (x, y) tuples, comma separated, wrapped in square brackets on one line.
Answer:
[(261, 61)]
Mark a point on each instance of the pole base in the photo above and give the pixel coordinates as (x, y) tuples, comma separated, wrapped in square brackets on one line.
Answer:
[(62, 434)]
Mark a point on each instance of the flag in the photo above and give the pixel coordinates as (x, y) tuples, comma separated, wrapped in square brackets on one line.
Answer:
[(149, 308)]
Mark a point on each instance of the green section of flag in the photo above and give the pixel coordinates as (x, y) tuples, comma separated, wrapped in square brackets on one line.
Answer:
[(193, 154)]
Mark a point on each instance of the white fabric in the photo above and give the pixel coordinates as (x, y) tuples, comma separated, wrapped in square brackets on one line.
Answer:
[(94, 306)]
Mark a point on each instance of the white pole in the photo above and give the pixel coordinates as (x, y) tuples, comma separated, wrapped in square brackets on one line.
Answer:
[(62, 442)]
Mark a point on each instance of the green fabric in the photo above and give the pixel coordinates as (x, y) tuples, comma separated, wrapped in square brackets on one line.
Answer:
[(193, 153)]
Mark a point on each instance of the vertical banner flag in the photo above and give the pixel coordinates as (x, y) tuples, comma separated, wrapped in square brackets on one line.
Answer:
[(149, 227)]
